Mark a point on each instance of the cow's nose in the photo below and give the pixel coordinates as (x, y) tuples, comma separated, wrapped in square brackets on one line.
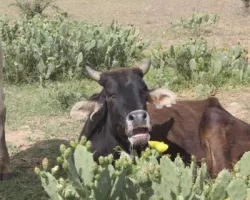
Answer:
[(137, 116)]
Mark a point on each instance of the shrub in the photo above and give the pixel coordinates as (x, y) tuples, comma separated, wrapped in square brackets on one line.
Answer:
[(146, 179), (197, 23), (246, 4), (43, 48), (32, 8), (67, 93), (66, 96), (194, 63)]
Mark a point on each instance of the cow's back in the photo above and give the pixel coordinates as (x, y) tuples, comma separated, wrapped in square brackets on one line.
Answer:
[(225, 139), (180, 123)]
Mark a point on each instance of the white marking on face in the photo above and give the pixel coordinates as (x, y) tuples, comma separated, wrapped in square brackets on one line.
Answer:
[(133, 139), (130, 127)]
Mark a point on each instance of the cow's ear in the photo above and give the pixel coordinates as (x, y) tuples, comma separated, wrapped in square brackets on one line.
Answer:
[(82, 109), (162, 97)]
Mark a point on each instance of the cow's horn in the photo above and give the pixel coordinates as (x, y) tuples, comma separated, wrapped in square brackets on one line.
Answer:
[(145, 66), (93, 74)]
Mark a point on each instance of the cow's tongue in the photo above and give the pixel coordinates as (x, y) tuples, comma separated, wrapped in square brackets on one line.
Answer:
[(140, 136), (140, 131)]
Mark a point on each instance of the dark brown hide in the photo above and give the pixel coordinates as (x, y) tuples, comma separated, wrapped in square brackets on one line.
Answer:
[(225, 139), (182, 127)]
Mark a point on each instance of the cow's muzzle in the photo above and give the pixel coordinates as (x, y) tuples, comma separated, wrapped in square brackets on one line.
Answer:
[(138, 127)]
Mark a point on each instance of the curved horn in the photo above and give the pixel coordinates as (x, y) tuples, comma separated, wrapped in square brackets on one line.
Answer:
[(93, 74), (145, 66)]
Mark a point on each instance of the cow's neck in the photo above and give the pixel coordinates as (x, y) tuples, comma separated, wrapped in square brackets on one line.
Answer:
[(114, 133), (102, 136)]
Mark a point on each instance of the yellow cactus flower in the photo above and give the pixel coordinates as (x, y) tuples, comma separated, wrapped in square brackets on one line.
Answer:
[(152, 144), (159, 146), (227, 199)]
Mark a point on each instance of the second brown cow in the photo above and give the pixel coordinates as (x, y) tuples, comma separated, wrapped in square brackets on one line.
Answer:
[(202, 128), (179, 125)]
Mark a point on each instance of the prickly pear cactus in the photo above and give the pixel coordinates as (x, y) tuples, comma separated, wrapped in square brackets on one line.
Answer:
[(242, 167), (237, 190), (218, 191), (150, 177)]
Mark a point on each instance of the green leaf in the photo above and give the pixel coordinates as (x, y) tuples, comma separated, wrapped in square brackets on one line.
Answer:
[(217, 67), (237, 190), (241, 167), (83, 162), (79, 59), (90, 45), (49, 184), (104, 185), (192, 64), (237, 51), (50, 70)]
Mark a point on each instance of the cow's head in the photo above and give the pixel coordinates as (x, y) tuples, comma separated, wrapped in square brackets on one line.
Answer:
[(124, 96)]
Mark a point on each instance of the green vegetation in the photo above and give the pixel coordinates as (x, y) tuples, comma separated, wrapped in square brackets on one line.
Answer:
[(31, 8), (197, 24), (58, 48), (27, 102), (146, 179), (193, 62)]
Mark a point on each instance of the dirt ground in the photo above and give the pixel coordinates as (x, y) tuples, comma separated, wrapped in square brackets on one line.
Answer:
[(155, 17)]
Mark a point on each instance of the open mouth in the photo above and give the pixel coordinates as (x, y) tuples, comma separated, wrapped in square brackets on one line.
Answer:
[(140, 136)]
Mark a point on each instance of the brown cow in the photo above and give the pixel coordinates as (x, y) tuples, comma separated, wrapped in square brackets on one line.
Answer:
[(225, 139), (182, 127), (4, 156), (202, 128)]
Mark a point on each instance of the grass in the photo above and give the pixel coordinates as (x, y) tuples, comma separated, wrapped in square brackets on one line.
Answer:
[(37, 124), (26, 102), (25, 183)]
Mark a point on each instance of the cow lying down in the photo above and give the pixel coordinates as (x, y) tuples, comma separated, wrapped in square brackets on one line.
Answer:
[(127, 114)]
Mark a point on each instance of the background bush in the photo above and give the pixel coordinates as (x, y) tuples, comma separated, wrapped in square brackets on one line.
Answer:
[(193, 62), (56, 48), (197, 24), (31, 8), (68, 93)]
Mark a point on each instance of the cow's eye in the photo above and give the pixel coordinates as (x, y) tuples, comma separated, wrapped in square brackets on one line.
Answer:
[(111, 96), (144, 90)]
